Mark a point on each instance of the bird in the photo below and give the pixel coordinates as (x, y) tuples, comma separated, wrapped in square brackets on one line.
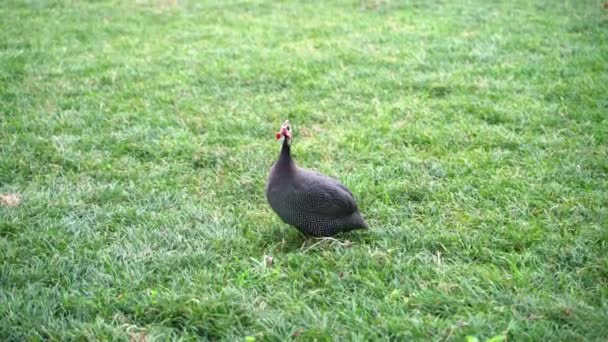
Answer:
[(315, 204)]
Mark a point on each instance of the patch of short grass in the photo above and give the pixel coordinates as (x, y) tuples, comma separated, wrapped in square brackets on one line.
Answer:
[(138, 136)]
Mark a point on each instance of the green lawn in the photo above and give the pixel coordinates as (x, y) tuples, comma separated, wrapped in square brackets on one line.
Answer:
[(139, 134)]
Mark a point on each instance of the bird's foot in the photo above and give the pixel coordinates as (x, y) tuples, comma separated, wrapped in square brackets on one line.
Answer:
[(320, 240), (345, 243)]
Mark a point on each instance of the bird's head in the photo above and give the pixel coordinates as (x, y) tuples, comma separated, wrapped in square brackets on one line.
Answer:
[(284, 132)]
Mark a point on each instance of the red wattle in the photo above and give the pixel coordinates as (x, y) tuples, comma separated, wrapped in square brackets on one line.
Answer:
[(278, 135)]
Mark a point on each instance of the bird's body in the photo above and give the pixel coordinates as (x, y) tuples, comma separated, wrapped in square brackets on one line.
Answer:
[(314, 203)]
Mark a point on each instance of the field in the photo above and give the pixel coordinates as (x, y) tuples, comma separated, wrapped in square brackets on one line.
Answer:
[(136, 136)]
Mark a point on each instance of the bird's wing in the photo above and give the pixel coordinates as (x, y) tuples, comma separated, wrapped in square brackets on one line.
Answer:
[(326, 196)]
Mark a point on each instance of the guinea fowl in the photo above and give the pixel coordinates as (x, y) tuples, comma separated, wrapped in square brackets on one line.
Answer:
[(314, 203)]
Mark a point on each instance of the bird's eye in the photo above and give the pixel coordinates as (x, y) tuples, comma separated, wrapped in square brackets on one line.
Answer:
[(288, 128)]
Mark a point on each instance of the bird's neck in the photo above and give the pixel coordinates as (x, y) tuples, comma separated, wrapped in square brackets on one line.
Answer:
[(285, 160)]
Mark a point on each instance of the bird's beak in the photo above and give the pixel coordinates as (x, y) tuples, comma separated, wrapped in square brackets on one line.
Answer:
[(286, 133), (283, 133)]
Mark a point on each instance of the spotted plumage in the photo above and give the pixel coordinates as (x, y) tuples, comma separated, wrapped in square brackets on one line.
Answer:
[(314, 203)]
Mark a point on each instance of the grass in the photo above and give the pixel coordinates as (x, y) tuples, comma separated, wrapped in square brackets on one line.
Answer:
[(138, 135)]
